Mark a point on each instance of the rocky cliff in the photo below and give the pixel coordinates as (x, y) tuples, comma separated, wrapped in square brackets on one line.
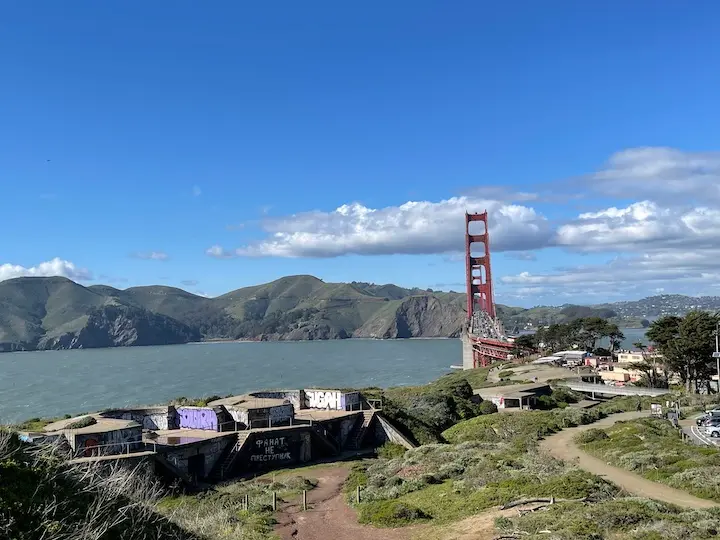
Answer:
[(121, 326), (417, 316)]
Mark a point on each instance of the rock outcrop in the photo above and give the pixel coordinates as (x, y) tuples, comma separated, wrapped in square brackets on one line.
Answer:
[(122, 326), (417, 316)]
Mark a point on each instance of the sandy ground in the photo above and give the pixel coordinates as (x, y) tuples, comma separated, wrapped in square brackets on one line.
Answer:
[(528, 371), (328, 515), (561, 446)]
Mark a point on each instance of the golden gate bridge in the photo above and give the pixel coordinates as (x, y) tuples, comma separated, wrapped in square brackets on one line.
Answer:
[(484, 340)]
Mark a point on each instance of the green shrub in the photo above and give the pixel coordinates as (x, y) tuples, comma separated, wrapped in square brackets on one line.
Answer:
[(591, 435), (391, 450), (389, 513), (85, 421), (505, 374), (488, 407)]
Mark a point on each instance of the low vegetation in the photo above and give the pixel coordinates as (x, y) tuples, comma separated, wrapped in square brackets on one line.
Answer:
[(492, 460), (42, 497), (652, 447), (627, 518), (424, 412), (221, 513)]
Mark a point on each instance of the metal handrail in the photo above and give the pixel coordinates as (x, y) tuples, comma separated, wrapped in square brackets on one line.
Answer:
[(123, 445)]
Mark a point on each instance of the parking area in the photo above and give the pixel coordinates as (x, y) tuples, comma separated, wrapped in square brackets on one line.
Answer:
[(696, 434)]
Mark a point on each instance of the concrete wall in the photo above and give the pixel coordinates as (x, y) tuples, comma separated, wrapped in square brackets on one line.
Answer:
[(197, 418), (153, 418), (296, 397), (265, 417), (386, 432), (277, 448), (211, 450), (106, 442)]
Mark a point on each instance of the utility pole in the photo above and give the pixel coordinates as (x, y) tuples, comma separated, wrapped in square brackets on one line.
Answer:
[(716, 354)]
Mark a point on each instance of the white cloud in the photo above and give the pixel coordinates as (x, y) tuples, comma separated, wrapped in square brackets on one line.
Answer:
[(55, 267), (659, 173), (219, 252), (152, 255), (416, 227), (196, 191), (642, 225), (189, 282), (650, 273)]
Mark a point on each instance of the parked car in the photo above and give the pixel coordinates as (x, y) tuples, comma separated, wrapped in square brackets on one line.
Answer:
[(713, 430)]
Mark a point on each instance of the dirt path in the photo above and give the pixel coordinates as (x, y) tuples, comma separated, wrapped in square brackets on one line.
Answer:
[(561, 446), (328, 515)]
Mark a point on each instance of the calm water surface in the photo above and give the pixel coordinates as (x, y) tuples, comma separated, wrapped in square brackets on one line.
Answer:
[(53, 383)]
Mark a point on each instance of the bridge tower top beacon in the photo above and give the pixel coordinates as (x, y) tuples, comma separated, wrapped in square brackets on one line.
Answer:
[(477, 265)]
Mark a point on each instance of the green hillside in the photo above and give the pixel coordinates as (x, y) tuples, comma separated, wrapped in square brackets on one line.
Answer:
[(39, 313)]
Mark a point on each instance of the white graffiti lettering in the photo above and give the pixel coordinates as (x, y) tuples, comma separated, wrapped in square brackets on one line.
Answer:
[(270, 457), (321, 399)]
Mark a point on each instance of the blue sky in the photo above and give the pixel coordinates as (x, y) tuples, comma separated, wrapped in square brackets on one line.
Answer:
[(217, 146)]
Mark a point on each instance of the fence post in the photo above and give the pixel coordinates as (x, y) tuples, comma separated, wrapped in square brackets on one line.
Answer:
[(274, 501), (357, 495), (247, 502), (304, 500)]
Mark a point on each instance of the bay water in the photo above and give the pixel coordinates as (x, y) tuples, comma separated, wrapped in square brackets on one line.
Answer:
[(53, 383)]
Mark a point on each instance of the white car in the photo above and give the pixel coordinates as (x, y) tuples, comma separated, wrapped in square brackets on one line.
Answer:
[(712, 431)]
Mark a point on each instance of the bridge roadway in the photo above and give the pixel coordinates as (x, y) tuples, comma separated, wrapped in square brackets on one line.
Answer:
[(613, 390)]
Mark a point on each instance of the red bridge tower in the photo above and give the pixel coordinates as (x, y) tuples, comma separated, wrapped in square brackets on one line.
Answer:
[(484, 340), (477, 264)]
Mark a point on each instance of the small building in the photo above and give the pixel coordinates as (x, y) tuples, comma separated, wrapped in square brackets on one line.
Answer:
[(249, 411), (515, 396), (630, 357), (104, 436)]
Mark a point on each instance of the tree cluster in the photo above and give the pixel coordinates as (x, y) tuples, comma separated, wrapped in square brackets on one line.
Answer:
[(584, 333), (687, 344)]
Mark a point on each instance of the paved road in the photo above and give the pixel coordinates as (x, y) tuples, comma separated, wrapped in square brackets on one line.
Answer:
[(696, 435), (561, 446)]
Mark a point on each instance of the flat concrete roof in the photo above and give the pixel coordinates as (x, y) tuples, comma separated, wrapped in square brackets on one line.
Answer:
[(512, 391), (176, 437), (323, 414), (103, 425), (246, 402)]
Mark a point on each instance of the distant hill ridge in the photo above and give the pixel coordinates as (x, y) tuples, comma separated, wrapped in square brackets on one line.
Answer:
[(57, 313)]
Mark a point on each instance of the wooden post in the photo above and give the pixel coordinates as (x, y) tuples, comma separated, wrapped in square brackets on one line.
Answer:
[(304, 500), (247, 502), (357, 495), (274, 501)]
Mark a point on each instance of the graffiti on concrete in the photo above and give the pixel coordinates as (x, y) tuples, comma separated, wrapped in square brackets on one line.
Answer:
[(350, 400), (197, 418), (271, 449), (324, 399), (281, 413)]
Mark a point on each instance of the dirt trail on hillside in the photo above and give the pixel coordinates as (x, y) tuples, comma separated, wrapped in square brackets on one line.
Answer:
[(561, 446), (328, 515)]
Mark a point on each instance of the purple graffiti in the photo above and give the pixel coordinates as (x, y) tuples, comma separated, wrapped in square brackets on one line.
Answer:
[(197, 418)]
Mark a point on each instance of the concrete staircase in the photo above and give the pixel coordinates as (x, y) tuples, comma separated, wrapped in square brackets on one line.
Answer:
[(356, 438), (224, 469)]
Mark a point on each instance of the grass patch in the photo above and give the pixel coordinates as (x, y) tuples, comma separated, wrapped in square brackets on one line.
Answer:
[(652, 448), (220, 514)]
